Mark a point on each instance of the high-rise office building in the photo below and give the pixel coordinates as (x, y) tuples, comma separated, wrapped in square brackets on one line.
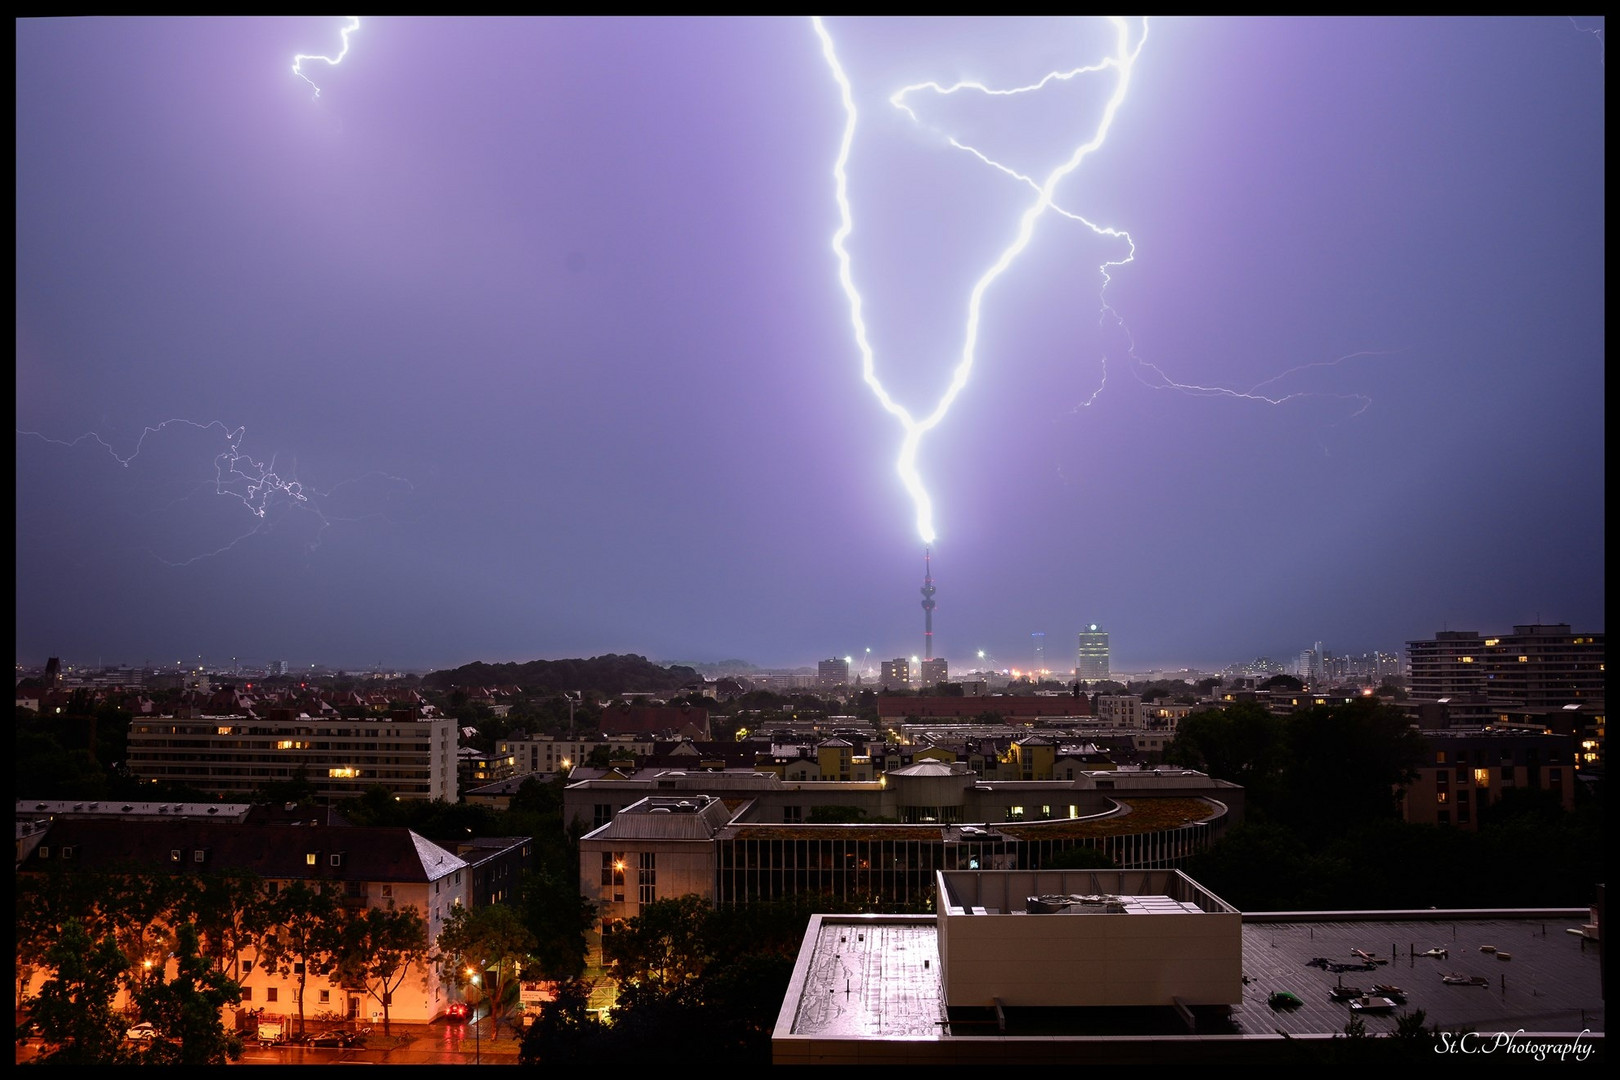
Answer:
[(833, 673), (1543, 665), (1091, 658), (1450, 665)]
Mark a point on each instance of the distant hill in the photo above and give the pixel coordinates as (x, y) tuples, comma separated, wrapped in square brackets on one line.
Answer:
[(602, 675)]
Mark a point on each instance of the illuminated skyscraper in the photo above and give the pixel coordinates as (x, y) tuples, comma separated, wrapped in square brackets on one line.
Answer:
[(1091, 658)]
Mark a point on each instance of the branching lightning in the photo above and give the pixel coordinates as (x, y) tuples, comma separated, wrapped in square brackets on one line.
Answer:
[(1120, 62), (330, 61), (257, 485), (1128, 41)]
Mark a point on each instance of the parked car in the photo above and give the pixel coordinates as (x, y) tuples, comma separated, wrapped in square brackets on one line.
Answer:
[(141, 1032), (457, 1011)]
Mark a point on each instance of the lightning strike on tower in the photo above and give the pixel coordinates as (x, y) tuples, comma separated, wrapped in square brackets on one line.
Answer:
[(1120, 61), (928, 606), (331, 61)]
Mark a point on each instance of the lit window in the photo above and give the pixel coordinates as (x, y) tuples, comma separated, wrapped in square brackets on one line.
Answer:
[(311, 858)]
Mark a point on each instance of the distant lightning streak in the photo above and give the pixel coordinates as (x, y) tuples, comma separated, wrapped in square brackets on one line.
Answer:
[(332, 61), (1120, 62), (255, 484), (1595, 31)]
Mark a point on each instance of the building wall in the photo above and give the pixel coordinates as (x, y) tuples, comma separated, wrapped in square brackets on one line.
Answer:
[(1001, 954), (237, 755), (1468, 772)]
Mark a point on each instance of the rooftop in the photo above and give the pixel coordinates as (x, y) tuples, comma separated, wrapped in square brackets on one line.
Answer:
[(869, 989)]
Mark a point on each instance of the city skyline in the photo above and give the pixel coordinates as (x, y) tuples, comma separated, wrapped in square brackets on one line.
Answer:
[(527, 338)]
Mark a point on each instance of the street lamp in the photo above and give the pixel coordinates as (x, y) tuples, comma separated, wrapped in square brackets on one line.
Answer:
[(477, 1043)]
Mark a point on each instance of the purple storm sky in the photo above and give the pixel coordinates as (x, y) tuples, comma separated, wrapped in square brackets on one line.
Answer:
[(542, 320)]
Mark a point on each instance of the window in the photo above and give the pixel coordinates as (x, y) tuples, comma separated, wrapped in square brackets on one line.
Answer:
[(326, 997), (174, 854), (247, 967), (336, 859), (602, 814), (387, 891), (270, 994), (613, 874), (792, 814), (247, 993), (311, 858), (647, 890), (199, 855)]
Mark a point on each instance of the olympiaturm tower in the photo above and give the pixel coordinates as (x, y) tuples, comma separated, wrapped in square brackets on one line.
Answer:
[(928, 607)]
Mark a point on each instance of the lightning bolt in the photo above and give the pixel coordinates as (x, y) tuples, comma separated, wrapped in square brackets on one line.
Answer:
[(1120, 62), (257, 485), (1595, 31), (331, 61)]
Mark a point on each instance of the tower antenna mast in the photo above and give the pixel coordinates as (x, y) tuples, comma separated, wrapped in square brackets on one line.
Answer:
[(928, 605)]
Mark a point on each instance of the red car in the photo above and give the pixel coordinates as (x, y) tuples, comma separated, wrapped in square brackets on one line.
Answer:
[(457, 1011)]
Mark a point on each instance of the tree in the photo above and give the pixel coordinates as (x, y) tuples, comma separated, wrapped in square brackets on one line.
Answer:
[(1243, 744), (229, 909), (1347, 766), (380, 948), (305, 938), (664, 947), (186, 1010), (564, 1031), (73, 1012), (558, 917), (491, 942)]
